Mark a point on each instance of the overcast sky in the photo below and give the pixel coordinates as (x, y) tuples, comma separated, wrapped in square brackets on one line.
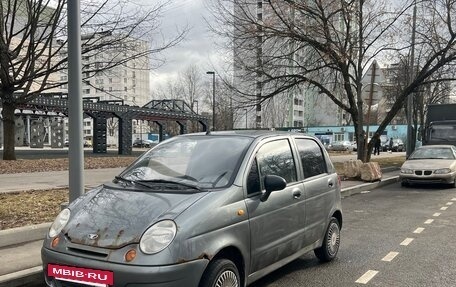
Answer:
[(198, 48)]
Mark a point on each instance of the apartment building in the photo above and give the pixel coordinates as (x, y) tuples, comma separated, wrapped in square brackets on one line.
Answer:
[(296, 107), (115, 74)]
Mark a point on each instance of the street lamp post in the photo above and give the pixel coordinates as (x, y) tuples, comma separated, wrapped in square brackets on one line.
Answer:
[(213, 98)]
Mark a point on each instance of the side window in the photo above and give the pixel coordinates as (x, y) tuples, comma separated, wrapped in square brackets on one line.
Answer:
[(275, 158), (313, 162), (253, 180)]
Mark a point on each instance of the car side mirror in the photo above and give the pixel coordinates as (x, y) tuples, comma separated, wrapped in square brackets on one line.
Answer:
[(272, 183)]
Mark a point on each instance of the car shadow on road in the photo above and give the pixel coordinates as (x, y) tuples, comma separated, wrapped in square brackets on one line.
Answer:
[(427, 186), (307, 262)]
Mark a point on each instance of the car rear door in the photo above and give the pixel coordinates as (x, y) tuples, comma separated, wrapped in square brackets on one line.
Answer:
[(319, 187)]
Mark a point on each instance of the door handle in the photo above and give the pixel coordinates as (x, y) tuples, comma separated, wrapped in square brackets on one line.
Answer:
[(296, 194)]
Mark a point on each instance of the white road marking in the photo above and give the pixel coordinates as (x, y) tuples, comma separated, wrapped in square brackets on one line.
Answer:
[(366, 277), (444, 208), (449, 203), (429, 221), (453, 199), (366, 191), (436, 214), (407, 241), (418, 230), (390, 256)]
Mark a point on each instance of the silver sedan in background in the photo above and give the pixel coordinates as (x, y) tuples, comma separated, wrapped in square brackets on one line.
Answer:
[(341, 146), (430, 164)]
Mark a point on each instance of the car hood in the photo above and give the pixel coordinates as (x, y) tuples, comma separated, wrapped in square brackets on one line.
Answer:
[(116, 217), (422, 164)]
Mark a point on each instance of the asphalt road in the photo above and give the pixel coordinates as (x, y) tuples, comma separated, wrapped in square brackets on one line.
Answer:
[(392, 236), (375, 225)]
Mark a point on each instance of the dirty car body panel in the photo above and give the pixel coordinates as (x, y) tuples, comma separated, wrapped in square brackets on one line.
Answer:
[(252, 201)]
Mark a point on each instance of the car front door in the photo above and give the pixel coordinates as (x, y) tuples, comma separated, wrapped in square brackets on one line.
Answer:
[(274, 223)]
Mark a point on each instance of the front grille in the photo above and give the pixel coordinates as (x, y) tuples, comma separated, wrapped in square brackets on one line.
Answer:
[(423, 172), (88, 252)]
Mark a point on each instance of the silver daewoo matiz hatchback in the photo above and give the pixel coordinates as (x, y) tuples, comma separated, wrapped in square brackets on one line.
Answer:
[(206, 209)]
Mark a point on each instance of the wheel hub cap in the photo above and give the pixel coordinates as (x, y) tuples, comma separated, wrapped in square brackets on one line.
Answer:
[(227, 279)]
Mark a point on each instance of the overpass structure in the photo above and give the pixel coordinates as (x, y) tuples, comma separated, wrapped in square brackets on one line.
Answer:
[(160, 112)]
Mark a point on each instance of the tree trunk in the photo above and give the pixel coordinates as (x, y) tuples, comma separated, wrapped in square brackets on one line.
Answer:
[(8, 131)]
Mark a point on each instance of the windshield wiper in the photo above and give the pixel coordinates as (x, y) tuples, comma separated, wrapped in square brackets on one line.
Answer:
[(169, 181), (131, 182)]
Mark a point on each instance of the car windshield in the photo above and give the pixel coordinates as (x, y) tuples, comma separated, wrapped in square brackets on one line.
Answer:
[(443, 132), (199, 161), (432, 153)]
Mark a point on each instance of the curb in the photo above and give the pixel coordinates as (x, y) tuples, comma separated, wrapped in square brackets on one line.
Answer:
[(23, 234), (366, 186), (23, 277)]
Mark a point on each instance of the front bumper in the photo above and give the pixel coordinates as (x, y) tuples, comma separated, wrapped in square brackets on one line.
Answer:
[(178, 275), (431, 178)]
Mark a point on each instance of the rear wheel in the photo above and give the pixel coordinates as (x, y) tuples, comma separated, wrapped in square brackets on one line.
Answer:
[(221, 273), (331, 242)]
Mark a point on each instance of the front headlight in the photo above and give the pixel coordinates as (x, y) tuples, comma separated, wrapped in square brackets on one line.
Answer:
[(442, 171), (59, 223), (158, 237), (406, 171)]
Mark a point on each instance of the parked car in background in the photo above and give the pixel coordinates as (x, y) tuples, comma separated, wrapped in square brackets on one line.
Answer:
[(85, 143), (354, 146), (143, 143), (430, 164), (384, 143), (398, 145), (341, 146), (201, 210)]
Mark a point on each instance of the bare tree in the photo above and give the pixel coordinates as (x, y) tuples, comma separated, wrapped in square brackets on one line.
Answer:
[(434, 92), (34, 41), (327, 45)]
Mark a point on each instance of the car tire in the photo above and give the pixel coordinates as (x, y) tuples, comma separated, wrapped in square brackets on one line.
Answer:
[(404, 184), (221, 272), (331, 241)]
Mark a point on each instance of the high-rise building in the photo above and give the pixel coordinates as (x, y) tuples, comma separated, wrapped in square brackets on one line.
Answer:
[(296, 107), (117, 74)]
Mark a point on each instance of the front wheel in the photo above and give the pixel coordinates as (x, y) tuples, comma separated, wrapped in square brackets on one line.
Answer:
[(221, 273), (331, 242)]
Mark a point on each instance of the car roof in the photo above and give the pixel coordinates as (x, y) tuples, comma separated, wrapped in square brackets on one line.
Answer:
[(249, 133)]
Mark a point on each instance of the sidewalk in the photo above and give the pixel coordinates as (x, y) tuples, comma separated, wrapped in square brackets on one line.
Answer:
[(53, 179), (20, 248)]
